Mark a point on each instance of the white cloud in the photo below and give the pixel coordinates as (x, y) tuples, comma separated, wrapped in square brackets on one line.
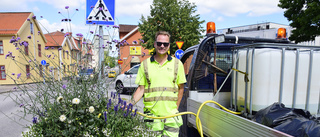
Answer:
[(133, 7), (60, 4), (8, 5), (36, 9), (48, 27), (236, 7)]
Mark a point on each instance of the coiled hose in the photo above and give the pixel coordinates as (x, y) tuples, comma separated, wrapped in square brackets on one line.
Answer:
[(198, 121)]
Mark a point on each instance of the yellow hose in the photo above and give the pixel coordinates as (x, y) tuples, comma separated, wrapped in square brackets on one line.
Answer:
[(198, 121)]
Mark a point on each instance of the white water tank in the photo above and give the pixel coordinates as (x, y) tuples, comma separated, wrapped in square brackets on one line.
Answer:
[(266, 78)]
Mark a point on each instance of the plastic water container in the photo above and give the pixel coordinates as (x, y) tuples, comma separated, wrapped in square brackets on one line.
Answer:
[(267, 74)]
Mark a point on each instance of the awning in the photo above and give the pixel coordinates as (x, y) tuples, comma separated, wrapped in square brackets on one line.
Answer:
[(135, 59)]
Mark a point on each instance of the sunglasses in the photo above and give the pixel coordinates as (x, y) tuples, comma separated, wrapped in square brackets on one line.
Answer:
[(165, 44)]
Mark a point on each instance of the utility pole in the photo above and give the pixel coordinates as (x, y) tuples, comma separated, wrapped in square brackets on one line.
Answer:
[(101, 55)]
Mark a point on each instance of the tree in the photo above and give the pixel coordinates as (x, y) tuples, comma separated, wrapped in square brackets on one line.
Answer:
[(175, 16), (305, 18), (108, 60)]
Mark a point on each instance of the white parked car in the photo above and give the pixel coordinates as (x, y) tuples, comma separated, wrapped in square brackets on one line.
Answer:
[(127, 80)]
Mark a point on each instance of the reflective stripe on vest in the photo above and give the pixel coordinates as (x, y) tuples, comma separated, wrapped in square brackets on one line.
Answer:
[(166, 89), (161, 98)]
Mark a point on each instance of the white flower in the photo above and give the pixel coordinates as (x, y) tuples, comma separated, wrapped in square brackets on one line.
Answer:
[(91, 109), (59, 99), (75, 101), (62, 118)]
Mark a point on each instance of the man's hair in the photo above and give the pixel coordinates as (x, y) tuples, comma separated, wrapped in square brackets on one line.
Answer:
[(162, 33)]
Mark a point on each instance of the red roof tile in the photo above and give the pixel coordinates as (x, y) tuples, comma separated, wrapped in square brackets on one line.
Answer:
[(11, 22), (126, 28), (54, 38)]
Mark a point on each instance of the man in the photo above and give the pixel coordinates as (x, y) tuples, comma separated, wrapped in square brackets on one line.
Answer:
[(161, 80)]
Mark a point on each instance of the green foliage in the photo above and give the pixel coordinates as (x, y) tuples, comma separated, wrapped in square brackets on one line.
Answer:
[(305, 18), (175, 16), (76, 106), (109, 61)]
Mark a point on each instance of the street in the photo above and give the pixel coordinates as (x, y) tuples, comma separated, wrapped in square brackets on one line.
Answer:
[(11, 124)]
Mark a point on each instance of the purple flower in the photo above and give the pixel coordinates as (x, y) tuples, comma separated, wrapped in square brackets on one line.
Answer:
[(61, 63), (46, 48), (135, 112), (28, 19), (50, 70), (18, 75), (67, 34), (64, 86), (12, 74), (29, 37), (77, 9), (59, 48), (14, 87), (120, 101), (38, 32), (67, 7), (62, 30), (116, 108), (29, 60), (12, 40), (84, 42), (17, 48), (28, 74), (34, 59), (79, 35), (34, 17), (105, 116), (59, 12), (41, 16), (18, 38), (34, 120), (135, 42), (21, 105), (110, 101), (52, 47)]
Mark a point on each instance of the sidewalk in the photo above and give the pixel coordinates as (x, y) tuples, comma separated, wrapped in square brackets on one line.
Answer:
[(6, 88)]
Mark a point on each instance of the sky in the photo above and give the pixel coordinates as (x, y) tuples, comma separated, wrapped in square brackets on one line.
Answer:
[(225, 13)]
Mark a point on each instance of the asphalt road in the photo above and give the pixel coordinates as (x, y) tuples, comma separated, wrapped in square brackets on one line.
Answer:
[(10, 123)]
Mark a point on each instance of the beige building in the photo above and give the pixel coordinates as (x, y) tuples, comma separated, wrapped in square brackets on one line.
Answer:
[(22, 46), (63, 54)]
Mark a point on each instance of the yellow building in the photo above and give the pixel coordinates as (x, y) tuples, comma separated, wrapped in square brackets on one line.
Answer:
[(62, 54), (22, 46)]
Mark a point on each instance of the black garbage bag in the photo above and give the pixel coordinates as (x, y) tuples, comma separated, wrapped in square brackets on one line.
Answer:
[(296, 122)]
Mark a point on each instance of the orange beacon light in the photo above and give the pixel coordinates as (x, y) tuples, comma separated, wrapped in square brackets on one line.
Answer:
[(211, 27), (281, 33)]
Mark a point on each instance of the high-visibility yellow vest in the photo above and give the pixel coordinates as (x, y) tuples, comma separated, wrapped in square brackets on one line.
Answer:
[(161, 90)]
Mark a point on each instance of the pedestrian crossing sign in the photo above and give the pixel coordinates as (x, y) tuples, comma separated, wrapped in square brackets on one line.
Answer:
[(100, 12)]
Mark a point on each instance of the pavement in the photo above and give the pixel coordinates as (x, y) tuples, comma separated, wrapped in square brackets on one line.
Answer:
[(6, 88)]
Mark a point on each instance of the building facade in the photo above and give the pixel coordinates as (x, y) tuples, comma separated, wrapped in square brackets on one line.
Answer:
[(131, 52), (22, 46)]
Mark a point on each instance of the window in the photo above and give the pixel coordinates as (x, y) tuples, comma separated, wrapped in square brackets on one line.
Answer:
[(64, 68), (72, 54), (67, 55), (39, 50), (31, 28), (26, 49), (2, 73), (1, 48), (28, 71), (40, 71), (64, 54)]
